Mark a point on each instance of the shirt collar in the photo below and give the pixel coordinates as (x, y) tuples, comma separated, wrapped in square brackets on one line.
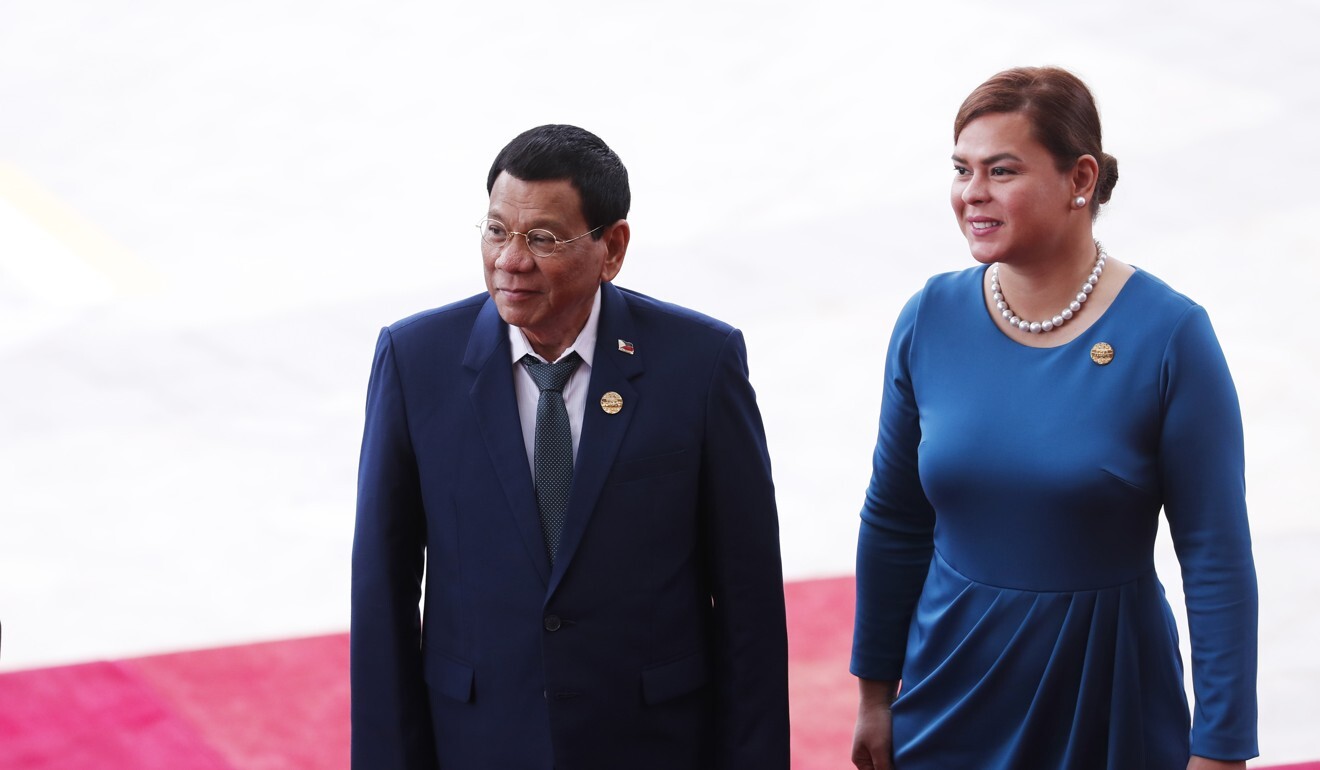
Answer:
[(584, 345)]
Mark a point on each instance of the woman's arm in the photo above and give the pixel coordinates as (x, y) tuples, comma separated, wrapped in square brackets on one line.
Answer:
[(1203, 482)]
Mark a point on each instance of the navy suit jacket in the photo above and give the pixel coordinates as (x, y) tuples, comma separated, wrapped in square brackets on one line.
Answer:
[(657, 639)]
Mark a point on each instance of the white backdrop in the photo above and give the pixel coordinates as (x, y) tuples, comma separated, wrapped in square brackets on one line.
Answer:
[(208, 210)]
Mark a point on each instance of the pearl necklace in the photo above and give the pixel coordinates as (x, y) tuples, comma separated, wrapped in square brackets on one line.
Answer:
[(1039, 327)]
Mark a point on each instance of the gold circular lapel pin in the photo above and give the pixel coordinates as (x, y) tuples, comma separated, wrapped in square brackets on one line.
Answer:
[(611, 403), (1102, 353)]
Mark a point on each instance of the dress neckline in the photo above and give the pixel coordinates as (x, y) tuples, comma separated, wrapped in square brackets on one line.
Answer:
[(995, 329)]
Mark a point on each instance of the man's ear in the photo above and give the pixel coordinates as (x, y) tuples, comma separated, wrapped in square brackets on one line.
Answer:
[(616, 243)]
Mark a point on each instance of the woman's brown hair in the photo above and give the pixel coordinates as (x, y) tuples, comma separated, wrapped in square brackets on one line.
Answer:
[(1062, 112)]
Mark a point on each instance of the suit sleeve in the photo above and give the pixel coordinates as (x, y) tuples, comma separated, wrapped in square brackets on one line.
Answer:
[(742, 526), (896, 539), (391, 725), (1203, 479)]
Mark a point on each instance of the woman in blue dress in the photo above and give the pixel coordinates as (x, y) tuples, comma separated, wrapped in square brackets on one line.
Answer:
[(1039, 410)]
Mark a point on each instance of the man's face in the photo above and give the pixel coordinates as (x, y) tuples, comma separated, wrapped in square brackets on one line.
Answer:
[(549, 298)]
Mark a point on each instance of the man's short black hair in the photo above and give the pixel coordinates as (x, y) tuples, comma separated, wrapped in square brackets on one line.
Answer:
[(567, 152)]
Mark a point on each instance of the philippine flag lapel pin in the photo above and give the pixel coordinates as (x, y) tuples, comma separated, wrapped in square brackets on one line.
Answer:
[(626, 347)]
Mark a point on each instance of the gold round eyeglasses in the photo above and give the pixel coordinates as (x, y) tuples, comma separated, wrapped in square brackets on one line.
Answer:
[(540, 242)]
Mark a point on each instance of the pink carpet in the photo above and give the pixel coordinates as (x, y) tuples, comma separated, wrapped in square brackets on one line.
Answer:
[(284, 705)]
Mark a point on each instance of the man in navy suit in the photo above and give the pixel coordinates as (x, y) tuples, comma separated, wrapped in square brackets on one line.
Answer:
[(638, 622)]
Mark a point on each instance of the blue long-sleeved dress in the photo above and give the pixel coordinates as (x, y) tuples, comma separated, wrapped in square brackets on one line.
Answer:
[(1005, 561)]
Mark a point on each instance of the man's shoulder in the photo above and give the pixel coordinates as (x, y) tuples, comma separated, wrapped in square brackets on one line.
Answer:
[(677, 319), (461, 313)]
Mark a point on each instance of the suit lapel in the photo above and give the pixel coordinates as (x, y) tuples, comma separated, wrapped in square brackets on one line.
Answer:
[(496, 408), (602, 433)]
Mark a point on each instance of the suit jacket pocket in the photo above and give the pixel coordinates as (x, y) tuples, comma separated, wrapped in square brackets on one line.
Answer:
[(670, 680), (648, 467), (449, 677)]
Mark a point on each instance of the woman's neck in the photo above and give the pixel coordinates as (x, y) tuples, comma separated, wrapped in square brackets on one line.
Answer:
[(1039, 288)]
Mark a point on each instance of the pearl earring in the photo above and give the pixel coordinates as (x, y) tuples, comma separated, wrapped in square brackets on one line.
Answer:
[(1079, 201)]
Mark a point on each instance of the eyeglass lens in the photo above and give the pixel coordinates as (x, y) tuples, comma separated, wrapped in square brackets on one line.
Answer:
[(542, 243)]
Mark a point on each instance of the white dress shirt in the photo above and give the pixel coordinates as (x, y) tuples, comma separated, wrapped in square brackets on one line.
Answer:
[(575, 392)]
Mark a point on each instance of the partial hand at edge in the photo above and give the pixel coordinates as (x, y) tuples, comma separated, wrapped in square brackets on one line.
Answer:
[(873, 738)]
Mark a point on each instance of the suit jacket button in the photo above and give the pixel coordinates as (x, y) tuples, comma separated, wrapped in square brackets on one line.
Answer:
[(552, 623)]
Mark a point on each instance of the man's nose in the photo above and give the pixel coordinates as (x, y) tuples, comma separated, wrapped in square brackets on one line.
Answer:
[(515, 257)]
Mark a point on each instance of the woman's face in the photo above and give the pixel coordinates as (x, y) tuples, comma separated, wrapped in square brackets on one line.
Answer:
[(1011, 201)]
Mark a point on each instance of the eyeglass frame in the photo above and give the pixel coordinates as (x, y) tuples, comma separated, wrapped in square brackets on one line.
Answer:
[(559, 244)]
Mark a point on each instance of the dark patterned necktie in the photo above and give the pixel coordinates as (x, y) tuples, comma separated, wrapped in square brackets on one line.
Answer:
[(552, 463)]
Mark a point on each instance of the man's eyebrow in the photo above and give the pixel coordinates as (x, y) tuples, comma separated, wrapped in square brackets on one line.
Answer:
[(540, 223), (992, 159)]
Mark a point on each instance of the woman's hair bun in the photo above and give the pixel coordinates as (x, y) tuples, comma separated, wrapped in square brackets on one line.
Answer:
[(1104, 186)]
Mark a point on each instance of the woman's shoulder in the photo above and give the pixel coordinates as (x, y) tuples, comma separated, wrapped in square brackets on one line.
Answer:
[(1157, 303), (1156, 289), (943, 301), (956, 280), (1169, 324), (945, 290)]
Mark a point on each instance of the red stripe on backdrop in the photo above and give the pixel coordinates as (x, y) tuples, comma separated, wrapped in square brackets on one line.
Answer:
[(284, 705), (97, 715), (273, 706), (822, 694)]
